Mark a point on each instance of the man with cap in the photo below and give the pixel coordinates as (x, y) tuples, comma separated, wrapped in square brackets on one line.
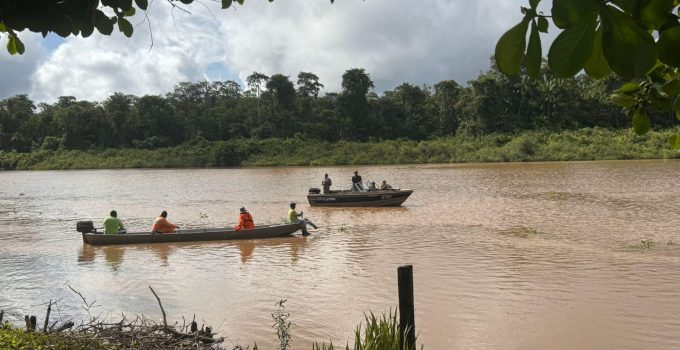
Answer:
[(245, 220), (294, 216)]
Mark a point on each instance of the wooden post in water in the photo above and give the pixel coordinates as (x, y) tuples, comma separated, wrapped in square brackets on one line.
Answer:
[(407, 318)]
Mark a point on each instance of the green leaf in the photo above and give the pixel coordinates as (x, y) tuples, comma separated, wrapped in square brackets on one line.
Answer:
[(142, 4), (125, 4), (534, 3), (14, 45), (629, 88), (669, 46), (542, 24), (674, 141), (110, 3), (226, 4), (125, 26), (622, 100), (534, 52), (640, 121), (510, 48), (654, 14), (672, 88), (20, 45), (86, 29), (103, 23), (662, 103), (629, 48), (572, 48), (62, 26), (596, 66), (676, 107), (567, 13), (129, 12), (627, 6), (3, 28)]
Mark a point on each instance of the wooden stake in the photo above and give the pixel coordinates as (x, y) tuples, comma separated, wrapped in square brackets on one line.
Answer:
[(407, 319)]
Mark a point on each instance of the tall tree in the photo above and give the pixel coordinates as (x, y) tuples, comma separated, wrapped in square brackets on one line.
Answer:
[(308, 84), (353, 103)]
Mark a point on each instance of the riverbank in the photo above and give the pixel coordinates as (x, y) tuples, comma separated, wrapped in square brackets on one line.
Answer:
[(584, 144)]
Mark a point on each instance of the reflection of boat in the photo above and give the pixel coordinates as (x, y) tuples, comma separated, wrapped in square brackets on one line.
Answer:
[(360, 198), (194, 235)]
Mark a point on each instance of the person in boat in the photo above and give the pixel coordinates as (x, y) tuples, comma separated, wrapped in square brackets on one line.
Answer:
[(326, 184), (294, 216), (113, 225), (357, 185), (245, 220), (162, 225), (385, 186), (371, 186)]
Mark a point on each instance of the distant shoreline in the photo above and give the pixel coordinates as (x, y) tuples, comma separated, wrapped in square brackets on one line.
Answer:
[(529, 146)]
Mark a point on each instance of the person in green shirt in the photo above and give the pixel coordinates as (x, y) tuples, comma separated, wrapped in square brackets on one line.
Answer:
[(294, 216), (113, 225)]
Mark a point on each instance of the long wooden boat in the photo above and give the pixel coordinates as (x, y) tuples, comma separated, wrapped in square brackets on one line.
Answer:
[(370, 198), (193, 235)]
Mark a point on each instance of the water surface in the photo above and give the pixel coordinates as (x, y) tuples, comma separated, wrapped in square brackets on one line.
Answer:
[(506, 256)]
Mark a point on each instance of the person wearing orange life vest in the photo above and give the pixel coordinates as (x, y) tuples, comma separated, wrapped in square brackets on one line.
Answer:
[(162, 225), (245, 221)]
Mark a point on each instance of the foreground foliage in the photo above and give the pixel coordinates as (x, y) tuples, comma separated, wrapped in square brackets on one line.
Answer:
[(602, 37), (584, 144)]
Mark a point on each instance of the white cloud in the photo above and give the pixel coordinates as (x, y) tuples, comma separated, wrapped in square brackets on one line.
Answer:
[(395, 40)]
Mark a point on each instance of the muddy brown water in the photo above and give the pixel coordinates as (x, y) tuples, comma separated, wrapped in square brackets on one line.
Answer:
[(506, 256)]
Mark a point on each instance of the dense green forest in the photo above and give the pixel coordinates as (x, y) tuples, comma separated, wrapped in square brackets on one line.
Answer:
[(277, 108)]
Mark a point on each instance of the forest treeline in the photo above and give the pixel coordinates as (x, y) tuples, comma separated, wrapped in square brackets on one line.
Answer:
[(278, 107)]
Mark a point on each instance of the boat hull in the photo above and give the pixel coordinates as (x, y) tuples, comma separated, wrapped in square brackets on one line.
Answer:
[(393, 198), (198, 235)]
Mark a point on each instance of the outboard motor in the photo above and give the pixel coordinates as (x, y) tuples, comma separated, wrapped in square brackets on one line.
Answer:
[(85, 227), (314, 190)]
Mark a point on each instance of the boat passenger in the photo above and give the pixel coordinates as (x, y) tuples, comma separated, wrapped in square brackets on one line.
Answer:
[(113, 225), (245, 220), (357, 185), (162, 225), (385, 186), (326, 184), (294, 216)]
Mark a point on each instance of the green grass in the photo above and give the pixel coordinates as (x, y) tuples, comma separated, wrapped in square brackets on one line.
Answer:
[(584, 144), (17, 339)]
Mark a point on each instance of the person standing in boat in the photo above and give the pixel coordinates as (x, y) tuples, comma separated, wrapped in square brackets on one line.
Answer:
[(357, 184), (113, 225), (162, 225), (245, 220), (326, 184)]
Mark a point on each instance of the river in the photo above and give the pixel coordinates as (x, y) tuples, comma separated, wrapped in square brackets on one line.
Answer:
[(505, 256)]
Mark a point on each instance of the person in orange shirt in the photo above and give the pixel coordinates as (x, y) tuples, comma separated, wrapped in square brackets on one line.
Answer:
[(162, 225), (245, 221)]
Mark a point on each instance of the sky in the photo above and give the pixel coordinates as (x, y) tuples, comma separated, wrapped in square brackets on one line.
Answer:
[(396, 41)]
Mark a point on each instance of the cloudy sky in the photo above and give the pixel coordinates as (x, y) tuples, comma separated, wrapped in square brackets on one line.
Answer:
[(421, 42)]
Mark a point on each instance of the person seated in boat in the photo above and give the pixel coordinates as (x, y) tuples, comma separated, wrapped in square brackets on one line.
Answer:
[(357, 185), (162, 225), (371, 186), (245, 220), (326, 184), (113, 225), (385, 186), (294, 216)]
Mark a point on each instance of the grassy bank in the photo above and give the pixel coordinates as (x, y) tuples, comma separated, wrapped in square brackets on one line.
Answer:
[(584, 144)]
